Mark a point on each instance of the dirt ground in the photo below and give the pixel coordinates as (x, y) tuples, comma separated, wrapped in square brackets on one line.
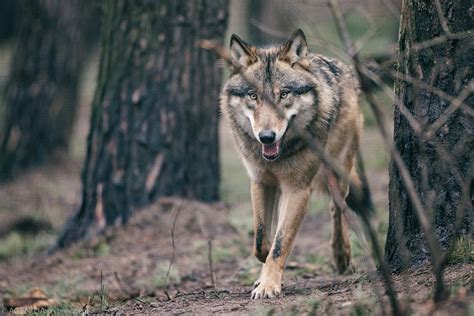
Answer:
[(125, 271)]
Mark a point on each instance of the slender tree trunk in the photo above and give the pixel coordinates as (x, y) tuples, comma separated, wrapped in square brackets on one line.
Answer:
[(154, 122), (441, 167), (8, 19), (41, 94)]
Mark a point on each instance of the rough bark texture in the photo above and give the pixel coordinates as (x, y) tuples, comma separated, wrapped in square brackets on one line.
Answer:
[(41, 93), (155, 112), (444, 184)]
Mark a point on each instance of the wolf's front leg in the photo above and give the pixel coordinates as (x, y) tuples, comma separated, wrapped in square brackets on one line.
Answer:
[(263, 203), (293, 210)]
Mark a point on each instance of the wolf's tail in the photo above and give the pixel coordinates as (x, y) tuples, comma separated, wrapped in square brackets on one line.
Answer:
[(359, 198)]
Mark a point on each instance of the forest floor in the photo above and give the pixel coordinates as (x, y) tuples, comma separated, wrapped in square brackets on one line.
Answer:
[(126, 269)]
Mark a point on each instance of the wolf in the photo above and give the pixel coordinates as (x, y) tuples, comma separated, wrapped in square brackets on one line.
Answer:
[(278, 100)]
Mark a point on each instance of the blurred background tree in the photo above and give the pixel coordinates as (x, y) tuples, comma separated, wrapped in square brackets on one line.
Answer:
[(41, 93), (154, 126), (9, 18)]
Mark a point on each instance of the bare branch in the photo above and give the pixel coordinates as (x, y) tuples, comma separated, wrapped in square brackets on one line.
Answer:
[(444, 23), (440, 39), (267, 30), (393, 10), (207, 236)]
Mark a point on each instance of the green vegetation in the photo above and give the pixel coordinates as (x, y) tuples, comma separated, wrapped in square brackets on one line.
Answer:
[(161, 270), (16, 243), (64, 308), (462, 251)]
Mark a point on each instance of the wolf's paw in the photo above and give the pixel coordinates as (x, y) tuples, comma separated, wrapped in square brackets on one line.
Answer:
[(266, 289)]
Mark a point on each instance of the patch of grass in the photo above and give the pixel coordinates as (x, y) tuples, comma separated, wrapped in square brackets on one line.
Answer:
[(222, 254), (64, 308), (263, 310), (363, 303), (249, 272), (159, 279), (229, 251), (79, 254), (314, 304), (318, 204), (462, 251), (101, 249), (16, 243), (321, 263), (359, 310), (357, 246), (242, 220), (67, 286), (19, 290)]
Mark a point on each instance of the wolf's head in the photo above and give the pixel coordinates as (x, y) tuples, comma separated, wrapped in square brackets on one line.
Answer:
[(269, 91)]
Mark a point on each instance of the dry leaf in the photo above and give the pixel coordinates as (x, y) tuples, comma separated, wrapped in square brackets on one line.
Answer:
[(35, 300)]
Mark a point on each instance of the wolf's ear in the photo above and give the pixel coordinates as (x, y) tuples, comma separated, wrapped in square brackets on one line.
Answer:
[(242, 53), (295, 49)]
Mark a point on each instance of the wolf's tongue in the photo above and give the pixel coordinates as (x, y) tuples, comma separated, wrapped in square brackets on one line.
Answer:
[(271, 150)]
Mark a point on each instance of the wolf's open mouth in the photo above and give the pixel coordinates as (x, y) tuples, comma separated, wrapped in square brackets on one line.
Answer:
[(271, 152)]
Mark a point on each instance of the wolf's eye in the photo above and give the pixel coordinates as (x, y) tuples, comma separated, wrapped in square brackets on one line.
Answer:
[(283, 95), (252, 96)]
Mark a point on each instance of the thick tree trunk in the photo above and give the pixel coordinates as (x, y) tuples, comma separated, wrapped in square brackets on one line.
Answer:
[(154, 122), (442, 167), (41, 94)]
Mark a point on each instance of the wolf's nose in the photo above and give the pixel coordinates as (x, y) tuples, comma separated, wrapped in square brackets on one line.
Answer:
[(267, 137)]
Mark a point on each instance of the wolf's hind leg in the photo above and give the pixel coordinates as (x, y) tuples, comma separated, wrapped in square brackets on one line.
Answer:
[(340, 237), (264, 201)]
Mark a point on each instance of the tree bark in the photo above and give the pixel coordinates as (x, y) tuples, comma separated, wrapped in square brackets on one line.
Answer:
[(42, 91), (441, 167), (155, 112)]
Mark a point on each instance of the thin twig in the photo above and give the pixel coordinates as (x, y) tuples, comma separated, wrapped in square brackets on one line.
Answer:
[(165, 287), (209, 256), (393, 10), (207, 236)]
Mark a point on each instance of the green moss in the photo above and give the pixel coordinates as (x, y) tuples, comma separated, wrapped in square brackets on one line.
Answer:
[(462, 250)]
